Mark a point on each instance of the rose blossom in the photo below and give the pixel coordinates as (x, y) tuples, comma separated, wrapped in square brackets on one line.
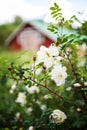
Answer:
[(57, 116)]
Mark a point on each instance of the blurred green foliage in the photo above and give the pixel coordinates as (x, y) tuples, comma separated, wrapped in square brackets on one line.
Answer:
[(8, 28), (8, 108)]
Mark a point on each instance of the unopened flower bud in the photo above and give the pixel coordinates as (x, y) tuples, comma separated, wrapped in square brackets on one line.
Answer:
[(78, 109), (53, 81), (9, 68), (77, 85), (44, 67), (34, 58)]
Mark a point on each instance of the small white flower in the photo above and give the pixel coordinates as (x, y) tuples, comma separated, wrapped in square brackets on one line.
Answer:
[(85, 83), (32, 89), (53, 51), (77, 85), (13, 87), (68, 89), (57, 116), (38, 102), (17, 115), (78, 109), (43, 107), (21, 98), (59, 74), (11, 91), (46, 97), (31, 128), (29, 110), (44, 56)]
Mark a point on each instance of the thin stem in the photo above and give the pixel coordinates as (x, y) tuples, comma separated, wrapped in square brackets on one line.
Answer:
[(51, 91), (71, 64), (83, 96), (61, 26), (77, 78), (56, 127), (34, 69), (45, 78), (45, 86)]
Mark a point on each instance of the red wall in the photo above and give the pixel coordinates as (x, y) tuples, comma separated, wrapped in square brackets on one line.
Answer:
[(14, 45)]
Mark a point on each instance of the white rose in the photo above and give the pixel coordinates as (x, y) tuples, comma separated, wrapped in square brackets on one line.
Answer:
[(21, 98), (59, 74), (47, 55), (57, 116)]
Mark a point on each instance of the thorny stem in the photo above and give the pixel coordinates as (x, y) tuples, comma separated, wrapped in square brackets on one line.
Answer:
[(73, 70), (13, 77), (75, 74), (45, 86), (51, 91), (76, 77)]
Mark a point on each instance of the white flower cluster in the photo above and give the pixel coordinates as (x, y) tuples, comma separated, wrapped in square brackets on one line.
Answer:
[(51, 59), (57, 116), (21, 98), (13, 87)]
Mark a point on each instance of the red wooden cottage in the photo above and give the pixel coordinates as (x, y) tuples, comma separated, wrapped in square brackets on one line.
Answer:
[(30, 35)]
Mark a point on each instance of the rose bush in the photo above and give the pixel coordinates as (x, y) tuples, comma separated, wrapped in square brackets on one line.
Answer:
[(51, 92)]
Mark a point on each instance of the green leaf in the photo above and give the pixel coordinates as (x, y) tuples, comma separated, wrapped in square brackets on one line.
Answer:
[(55, 4), (55, 15), (52, 8), (74, 16), (71, 21), (4, 79), (53, 12)]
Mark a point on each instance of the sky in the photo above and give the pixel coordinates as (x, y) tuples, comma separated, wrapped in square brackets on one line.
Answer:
[(39, 9)]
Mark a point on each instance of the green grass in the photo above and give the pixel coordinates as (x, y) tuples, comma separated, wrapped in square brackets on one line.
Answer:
[(17, 57)]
